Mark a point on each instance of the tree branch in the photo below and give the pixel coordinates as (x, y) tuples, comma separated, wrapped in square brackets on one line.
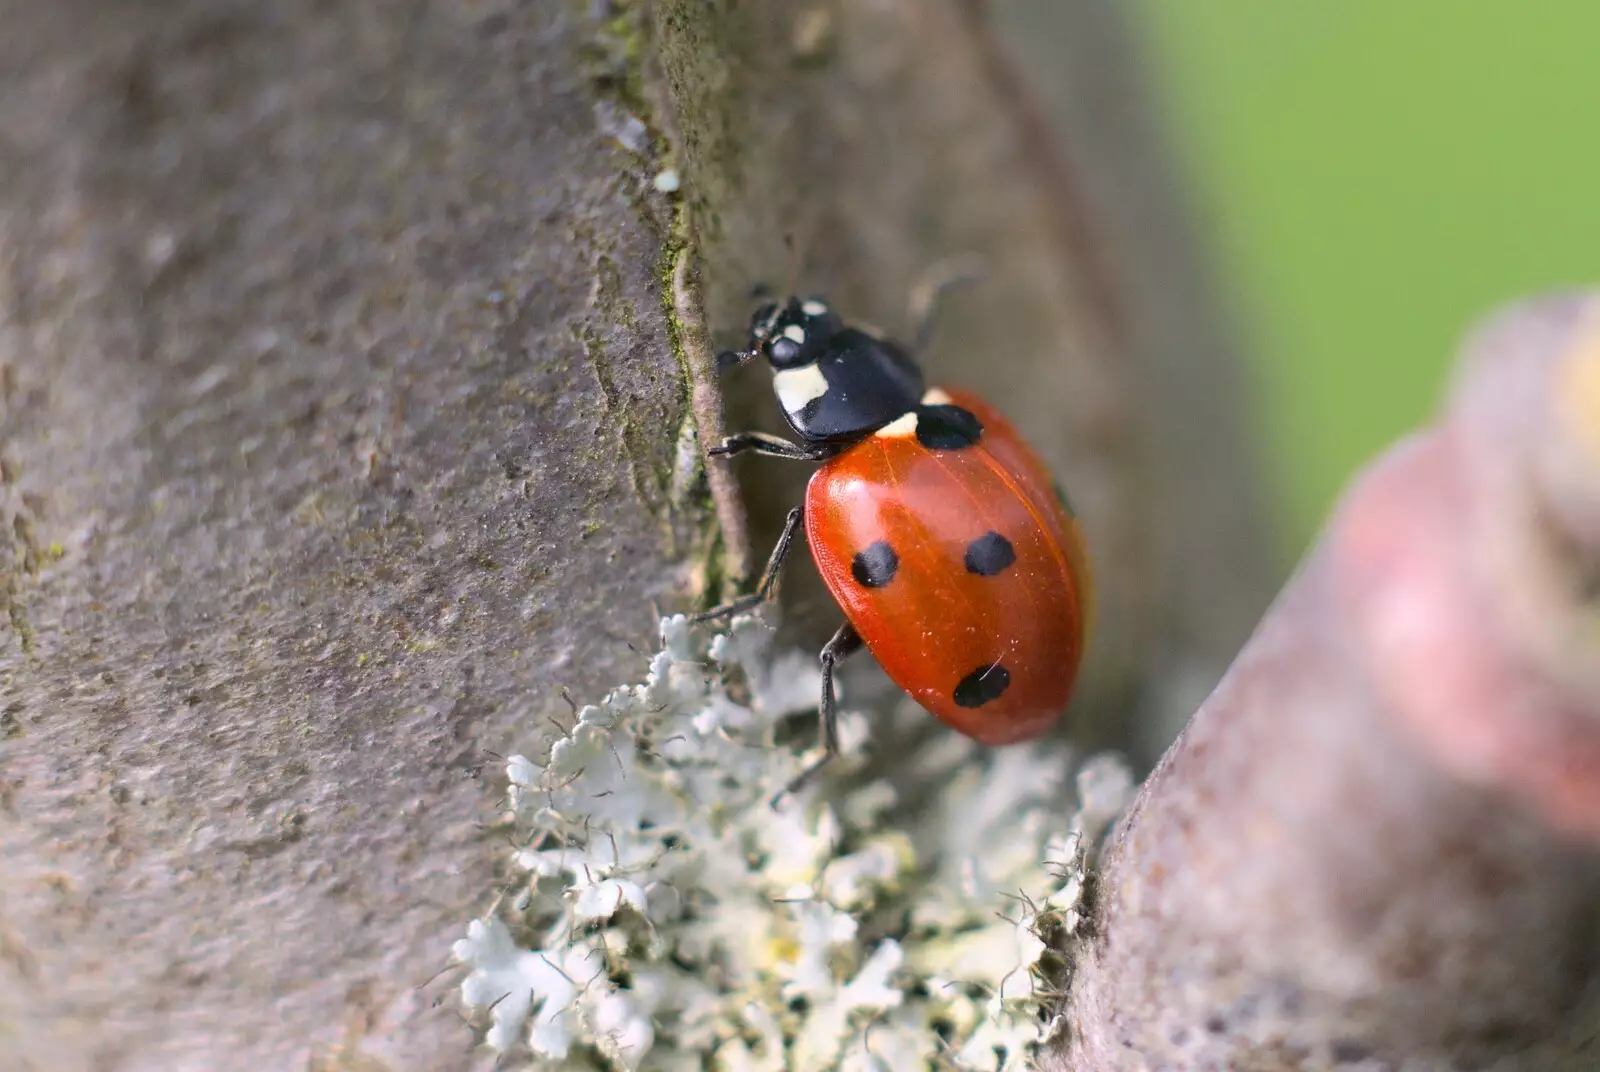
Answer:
[(339, 431), (1377, 841)]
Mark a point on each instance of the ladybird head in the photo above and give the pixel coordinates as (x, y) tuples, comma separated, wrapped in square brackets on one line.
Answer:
[(789, 333)]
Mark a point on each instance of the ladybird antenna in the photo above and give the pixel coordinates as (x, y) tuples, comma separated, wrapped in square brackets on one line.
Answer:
[(935, 283)]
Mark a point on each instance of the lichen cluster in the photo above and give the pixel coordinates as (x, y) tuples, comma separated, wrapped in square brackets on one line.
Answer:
[(671, 919)]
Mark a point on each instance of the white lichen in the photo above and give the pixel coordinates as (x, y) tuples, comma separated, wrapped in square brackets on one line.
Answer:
[(670, 919)]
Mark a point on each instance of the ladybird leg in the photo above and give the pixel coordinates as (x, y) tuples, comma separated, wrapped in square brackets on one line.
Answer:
[(772, 447), (769, 576), (937, 281), (844, 643)]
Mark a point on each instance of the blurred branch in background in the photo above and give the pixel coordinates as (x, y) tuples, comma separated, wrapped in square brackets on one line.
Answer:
[(1378, 843)]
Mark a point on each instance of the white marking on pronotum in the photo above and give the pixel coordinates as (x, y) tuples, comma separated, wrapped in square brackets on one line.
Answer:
[(797, 386), (936, 397), (812, 307), (900, 428), (795, 333)]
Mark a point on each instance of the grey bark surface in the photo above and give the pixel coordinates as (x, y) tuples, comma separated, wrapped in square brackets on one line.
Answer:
[(340, 430)]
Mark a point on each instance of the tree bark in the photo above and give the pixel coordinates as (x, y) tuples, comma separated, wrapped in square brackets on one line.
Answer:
[(352, 357), (341, 428)]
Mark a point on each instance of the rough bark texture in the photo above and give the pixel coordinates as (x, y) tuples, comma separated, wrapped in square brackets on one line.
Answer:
[(343, 424), (1377, 845), (335, 381)]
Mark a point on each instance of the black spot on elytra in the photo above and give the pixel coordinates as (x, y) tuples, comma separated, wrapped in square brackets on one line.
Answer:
[(989, 554), (874, 567), (985, 683), (947, 427)]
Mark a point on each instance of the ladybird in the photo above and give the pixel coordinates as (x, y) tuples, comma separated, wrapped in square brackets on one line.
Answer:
[(957, 561)]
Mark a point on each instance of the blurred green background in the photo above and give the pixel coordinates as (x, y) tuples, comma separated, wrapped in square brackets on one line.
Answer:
[(1373, 177)]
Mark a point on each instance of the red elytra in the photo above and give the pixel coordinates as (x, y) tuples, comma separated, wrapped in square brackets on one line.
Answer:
[(938, 622)]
